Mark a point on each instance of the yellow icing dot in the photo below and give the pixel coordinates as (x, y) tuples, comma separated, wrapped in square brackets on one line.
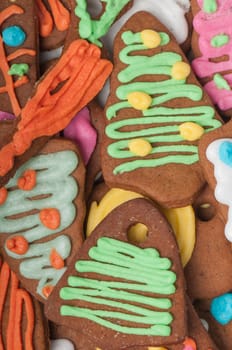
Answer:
[(139, 100), (151, 39), (180, 70), (191, 131), (156, 348), (140, 147)]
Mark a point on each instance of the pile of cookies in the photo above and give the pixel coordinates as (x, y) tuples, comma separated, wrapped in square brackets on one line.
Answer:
[(115, 171)]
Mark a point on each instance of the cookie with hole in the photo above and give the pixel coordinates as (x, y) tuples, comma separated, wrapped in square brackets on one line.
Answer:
[(23, 324), (155, 115), (141, 300), (42, 212), (208, 273)]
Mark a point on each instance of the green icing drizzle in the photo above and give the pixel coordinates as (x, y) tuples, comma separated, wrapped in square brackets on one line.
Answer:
[(210, 6), (167, 118), (221, 82), (144, 270), (93, 30), (19, 69), (53, 180), (220, 40)]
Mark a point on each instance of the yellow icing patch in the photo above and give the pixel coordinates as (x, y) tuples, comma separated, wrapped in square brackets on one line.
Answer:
[(139, 100), (156, 348), (180, 70), (191, 131), (182, 221), (112, 199), (137, 233), (151, 39), (140, 147)]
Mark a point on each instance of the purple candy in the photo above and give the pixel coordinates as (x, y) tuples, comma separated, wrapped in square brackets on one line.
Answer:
[(6, 116)]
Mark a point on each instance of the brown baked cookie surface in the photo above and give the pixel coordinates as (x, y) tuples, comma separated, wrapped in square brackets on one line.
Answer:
[(117, 289), (23, 325), (155, 115), (18, 54), (42, 216), (208, 273)]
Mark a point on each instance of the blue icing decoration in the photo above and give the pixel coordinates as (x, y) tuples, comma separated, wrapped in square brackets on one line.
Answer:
[(225, 152), (13, 36), (221, 308)]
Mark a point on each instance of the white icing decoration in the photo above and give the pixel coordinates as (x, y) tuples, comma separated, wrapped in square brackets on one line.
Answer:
[(169, 12), (61, 344), (205, 324), (223, 176)]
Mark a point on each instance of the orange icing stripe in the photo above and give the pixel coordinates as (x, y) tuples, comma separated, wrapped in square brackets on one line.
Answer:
[(60, 14), (4, 281), (3, 195), (17, 296), (23, 297), (18, 83), (8, 80), (20, 52), (45, 19), (10, 327), (46, 113), (10, 11), (10, 85)]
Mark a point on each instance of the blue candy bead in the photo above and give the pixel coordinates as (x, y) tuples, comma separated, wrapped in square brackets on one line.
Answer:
[(225, 152), (221, 308), (13, 36)]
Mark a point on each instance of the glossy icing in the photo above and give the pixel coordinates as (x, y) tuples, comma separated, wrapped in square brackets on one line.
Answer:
[(51, 177), (219, 153)]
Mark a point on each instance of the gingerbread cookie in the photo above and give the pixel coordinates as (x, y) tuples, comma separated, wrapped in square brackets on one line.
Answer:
[(42, 216), (151, 143), (221, 333), (18, 54), (211, 46), (23, 325), (215, 153), (208, 273), (61, 93), (144, 311), (172, 13)]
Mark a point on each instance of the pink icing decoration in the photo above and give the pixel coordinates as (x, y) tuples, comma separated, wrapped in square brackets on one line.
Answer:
[(6, 116), (220, 97), (207, 26), (188, 347), (81, 131)]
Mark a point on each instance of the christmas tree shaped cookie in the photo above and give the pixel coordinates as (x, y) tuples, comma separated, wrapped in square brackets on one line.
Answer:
[(155, 115), (41, 215), (132, 292)]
